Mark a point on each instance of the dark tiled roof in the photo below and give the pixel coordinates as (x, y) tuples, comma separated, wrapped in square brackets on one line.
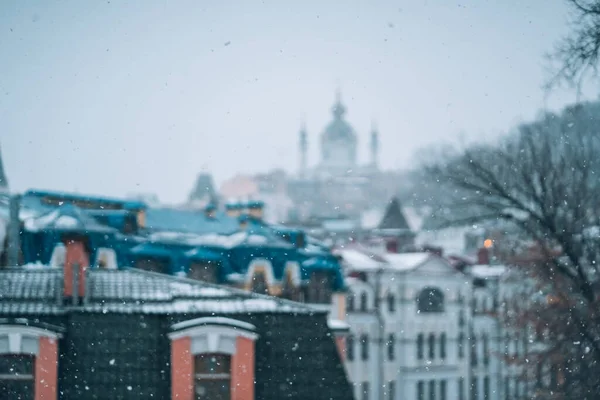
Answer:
[(37, 291), (393, 217)]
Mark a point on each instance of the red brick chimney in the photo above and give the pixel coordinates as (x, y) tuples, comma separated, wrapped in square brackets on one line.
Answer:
[(483, 256), (77, 261)]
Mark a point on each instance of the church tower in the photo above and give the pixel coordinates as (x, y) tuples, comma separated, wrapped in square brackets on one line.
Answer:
[(374, 147), (303, 146)]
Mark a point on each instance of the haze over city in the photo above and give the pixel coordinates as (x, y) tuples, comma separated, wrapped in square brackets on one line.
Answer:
[(141, 96)]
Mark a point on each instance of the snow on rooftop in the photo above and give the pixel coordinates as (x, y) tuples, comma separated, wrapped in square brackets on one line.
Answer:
[(488, 271), (358, 260), (336, 324), (406, 261)]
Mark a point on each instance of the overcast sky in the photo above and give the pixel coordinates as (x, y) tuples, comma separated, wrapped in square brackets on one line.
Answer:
[(113, 97)]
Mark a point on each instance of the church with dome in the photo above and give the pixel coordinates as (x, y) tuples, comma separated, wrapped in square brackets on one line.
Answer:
[(339, 149), (339, 184)]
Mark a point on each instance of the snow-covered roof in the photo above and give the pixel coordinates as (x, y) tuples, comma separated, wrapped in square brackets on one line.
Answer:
[(487, 271), (406, 261), (35, 291), (358, 260)]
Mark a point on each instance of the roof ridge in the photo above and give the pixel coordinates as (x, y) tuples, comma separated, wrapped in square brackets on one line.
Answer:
[(233, 290)]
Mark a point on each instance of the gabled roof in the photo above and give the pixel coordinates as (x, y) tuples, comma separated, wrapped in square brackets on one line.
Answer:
[(39, 291), (393, 217)]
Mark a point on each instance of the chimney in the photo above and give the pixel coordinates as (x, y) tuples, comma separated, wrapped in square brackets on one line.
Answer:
[(14, 232), (483, 256), (141, 218), (77, 261)]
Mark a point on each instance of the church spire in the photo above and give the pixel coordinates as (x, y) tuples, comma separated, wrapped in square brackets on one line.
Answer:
[(374, 145), (338, 108), (303, 147)]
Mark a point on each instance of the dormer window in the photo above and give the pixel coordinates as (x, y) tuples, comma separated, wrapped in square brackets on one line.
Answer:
[(153, 264), (319, 287), (259, 283), (205, 271), (430, 300)]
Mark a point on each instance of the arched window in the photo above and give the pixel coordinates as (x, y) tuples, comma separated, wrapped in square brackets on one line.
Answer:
[(350, 347), (391, 300), (420, 346), (259, 283), (391, 347), (430, 300), (320, 287), (363, 301), (431, 346), (364, 347), (443, 346)]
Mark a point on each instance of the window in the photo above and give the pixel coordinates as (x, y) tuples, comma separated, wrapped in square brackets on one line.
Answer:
[(461, 318), (420, 345), (391, 300), (431, 346), (365, 391), (391, 390), (350, 300), (473, 351), (431, 390), (259, 283), (461, 345), (443, 390), (364, 347), (212, 376), (420, 390), (507, 388), (474, 389), (204, 271), (319, 287), (17, 376), (430, 300), (486, 387), (363, 302), (486, 352), (461, 388), (153, 264), (443, 346), (350, 347), (391, 347), (290, 291)]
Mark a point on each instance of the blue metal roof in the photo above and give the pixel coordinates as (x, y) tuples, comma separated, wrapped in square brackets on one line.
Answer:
[(188, 221)]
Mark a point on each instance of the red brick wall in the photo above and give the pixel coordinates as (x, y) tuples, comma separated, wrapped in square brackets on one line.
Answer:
[(182, 370), (75, 254), (46, 370), (242, 370)]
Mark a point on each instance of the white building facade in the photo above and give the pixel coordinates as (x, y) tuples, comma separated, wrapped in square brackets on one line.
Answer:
[(421, 329)]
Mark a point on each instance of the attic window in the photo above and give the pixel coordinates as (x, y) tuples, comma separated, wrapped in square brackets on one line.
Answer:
[(319, 287), (259, 283), (204, 271), (153, 264)]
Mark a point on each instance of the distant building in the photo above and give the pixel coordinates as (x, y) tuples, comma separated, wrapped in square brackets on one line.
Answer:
[(422, 329)]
